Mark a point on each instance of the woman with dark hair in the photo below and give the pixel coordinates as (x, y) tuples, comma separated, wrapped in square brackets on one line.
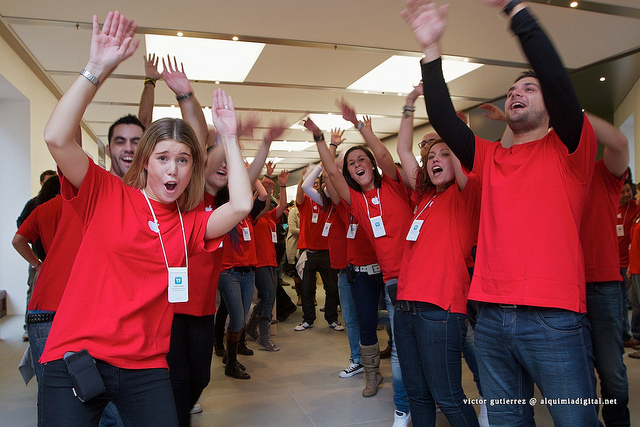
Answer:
[(430, 321), (380, 204), (132, 265)]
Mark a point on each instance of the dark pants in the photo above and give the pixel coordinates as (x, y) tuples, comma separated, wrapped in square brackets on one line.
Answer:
[(319, 262), (143, 397), (189, 361)]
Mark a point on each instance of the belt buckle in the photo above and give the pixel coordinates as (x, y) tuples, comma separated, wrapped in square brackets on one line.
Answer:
[(404, 305), (507, 306)]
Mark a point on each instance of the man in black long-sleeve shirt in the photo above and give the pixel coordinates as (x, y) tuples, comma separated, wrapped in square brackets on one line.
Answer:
[(529, 273)]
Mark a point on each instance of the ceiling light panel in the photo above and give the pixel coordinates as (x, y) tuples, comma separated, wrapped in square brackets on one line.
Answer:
[(207, 59), (399, 74)]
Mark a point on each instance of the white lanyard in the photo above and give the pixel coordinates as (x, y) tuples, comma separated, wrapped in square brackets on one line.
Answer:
[(427, 205), (366, 202), (155, 220), (327, 224), (416, 225)]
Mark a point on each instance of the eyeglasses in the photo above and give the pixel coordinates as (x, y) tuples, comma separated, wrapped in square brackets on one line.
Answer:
[(422, 143)]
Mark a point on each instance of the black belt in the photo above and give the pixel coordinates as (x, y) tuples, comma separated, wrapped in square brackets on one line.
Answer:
[(40, 317), (414, 305), (246, 269)]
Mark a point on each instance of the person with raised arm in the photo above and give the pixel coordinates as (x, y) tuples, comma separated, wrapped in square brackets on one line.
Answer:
[(529, 272), (129, 272), (380, 204)]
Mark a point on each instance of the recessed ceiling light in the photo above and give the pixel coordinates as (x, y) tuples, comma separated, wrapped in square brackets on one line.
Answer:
[(399, 74), (366, 91), (399, 93), (465, 60), (603, 78), (225, 60), (235, 38), (217, 82), (573, 4), (180, 34)]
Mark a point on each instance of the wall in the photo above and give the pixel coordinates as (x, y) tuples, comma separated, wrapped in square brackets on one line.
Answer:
[(627, 118)]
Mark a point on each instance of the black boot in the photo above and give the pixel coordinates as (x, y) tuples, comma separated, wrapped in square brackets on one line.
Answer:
[(218, 345), (232, 367), (242, 345)]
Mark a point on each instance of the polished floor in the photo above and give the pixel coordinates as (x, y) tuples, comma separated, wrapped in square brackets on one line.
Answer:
[(297, 386)]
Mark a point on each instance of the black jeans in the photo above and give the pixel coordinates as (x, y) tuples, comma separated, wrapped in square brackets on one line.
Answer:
[(318, 261)]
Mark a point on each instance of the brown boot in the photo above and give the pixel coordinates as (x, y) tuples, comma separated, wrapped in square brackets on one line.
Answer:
[(371, 362), (386, 353), (242, 345), (232, 367)]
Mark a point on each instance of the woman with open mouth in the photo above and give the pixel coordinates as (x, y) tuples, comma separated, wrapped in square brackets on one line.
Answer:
[(431, 313), (380, 204), (114, 321)]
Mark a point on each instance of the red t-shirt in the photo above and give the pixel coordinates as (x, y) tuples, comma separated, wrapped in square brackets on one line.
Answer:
[(529, 248), (434, 267), (359, 249), (42, 223), (312, 218), (337, 238), (56, 268), (204, 271), (625, 217), (634, 247), (243, 254), (115, 304), (396, 217), (598, 226), (265, 229)]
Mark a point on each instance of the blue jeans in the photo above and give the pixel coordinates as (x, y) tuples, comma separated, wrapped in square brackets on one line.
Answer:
[(236, 289), (38, 334), (469, 353), (429, 341), (266, 285), (633, 297), (400, 397), (143, 397), (551, 347), (367, 290), (604, 304), (350, 316)]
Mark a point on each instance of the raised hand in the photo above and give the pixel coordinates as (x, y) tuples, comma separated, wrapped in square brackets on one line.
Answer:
[(310, 125), (270, 168), (462, 116), (336, 136), (348, 113), (427, 21), (414, 94), (151, 67), (175, 77), (283, 177), (275, 130), (223, 113), (247, 125), (112, 45), (367, 122), (493, 112)]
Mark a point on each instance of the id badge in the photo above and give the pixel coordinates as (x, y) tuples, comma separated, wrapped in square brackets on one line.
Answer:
[(378, 226), (274, 237), (246, 234), (351, 232), (314, 217), (178, 284), (414, 231), (620, 230), (325, 229)]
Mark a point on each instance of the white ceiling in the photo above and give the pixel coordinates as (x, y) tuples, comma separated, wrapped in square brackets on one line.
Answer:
[(314, 50)]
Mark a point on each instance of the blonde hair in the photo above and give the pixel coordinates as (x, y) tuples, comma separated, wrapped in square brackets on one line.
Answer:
[(179, 131)]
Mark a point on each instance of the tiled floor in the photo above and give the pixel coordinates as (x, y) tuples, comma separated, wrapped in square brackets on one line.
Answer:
[(297, 386)]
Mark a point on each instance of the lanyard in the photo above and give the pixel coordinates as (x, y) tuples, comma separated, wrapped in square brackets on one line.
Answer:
[(329, 214), (184, 239), (367, 203), (427, 205)]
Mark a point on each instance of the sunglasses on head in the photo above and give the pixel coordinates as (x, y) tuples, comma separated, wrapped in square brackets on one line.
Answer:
[(423, 142)]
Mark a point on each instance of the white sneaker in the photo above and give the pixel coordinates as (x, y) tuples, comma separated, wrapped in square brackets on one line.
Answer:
[(351, 370), (302, 326), (336, 326), (196, 409), (400, 419)]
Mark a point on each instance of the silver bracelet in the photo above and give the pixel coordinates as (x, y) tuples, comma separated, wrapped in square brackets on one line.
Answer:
[(93, 79)]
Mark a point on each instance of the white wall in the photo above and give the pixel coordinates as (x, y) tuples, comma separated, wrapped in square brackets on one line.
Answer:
[(627, 118)]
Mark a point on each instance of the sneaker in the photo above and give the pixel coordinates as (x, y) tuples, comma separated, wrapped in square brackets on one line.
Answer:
[(302, 326), (351, 370), (635, 355), (336, 326), (267, 343), (196, 409), (401, 419), (483, 417)]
